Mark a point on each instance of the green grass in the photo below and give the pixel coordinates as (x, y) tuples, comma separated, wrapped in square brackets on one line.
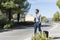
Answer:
[(40, 36)]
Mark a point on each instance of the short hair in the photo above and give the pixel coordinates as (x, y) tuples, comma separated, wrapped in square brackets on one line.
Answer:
[(37, 10)]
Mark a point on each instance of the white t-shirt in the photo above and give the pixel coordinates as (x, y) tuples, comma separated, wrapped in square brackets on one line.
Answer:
[(37, 18)]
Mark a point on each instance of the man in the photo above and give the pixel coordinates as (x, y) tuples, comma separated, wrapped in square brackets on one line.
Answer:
[(37, 21)]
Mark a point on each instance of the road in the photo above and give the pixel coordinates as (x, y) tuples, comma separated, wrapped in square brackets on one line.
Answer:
[(55, 31), (22, 34)]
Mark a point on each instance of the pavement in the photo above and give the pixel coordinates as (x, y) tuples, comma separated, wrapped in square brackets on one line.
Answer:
[(17, 34), (26, 33), (55, 32)]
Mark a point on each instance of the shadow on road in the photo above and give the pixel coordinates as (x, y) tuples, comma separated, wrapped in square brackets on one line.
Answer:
[(3, 30), (56, 38), (41, 25), (21, 27), (15, 28), (45, 25)]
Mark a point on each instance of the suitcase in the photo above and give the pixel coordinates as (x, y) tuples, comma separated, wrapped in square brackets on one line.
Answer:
[(47, 33)]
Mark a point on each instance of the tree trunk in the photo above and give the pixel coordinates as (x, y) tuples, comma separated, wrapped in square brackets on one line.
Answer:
[(18, 17), (9, 14)]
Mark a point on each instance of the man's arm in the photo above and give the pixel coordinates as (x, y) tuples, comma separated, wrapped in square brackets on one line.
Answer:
[(39, 18), (34, 20)]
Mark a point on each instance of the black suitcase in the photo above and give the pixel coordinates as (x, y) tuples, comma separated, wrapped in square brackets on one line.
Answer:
[(47, 33)]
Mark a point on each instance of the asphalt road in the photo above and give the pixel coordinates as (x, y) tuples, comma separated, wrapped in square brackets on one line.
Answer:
[(55, 31), (22, 34)]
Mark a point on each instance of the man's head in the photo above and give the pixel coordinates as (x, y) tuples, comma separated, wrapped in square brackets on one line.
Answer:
[(37, 11)]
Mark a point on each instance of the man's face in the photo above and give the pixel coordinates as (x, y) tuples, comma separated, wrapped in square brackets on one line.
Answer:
[(36, 12)]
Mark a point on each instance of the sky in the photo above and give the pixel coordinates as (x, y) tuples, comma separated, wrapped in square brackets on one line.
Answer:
[(47, 7)]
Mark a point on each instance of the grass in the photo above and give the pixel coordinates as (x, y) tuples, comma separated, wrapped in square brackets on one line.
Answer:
[(40, 36)]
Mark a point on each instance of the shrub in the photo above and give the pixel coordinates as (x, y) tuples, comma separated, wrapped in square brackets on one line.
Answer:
[(3, 21), (12, 24), (7, 26), (41, 36)]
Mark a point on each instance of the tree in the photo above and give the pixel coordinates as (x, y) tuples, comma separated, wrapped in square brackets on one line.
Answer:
[(7, 7), (56, 16), (11, 6), (43, 18), (58, 3), (23, 8)]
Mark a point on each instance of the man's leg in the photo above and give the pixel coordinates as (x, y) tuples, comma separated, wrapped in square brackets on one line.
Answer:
[(39, 27), (35, 28)]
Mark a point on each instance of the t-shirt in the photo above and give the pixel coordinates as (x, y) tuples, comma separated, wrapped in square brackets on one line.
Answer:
[(37, 18)]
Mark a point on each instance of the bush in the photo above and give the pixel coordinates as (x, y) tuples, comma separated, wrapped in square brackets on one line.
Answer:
[(41, 36), (12, 24), (3, 21), (7, 26)]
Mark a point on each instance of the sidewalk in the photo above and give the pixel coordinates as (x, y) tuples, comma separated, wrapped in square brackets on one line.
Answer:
[(55, 32)]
